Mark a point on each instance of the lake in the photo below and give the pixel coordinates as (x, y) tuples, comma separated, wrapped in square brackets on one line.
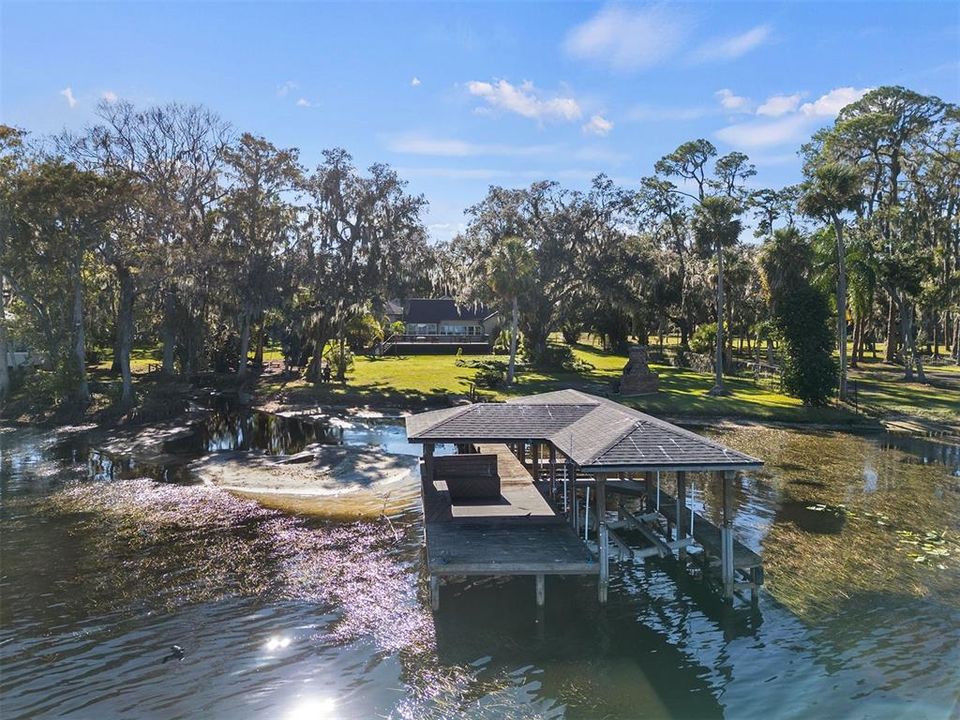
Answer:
[(280, 612)]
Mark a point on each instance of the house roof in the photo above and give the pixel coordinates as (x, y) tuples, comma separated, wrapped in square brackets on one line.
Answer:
[(431, 310), (595, 433)]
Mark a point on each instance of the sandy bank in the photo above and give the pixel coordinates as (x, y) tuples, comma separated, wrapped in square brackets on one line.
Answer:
[(323, 479)]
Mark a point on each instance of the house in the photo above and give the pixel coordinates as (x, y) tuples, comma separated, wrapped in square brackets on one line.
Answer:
[(441, 325)]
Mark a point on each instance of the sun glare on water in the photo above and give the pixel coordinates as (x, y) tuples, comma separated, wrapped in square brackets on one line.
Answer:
[(313, 709)]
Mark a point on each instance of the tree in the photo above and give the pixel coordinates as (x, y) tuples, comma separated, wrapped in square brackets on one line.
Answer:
[(509, 270), (259, 221), (362, 240), (57, 214), (716, 227), (833, 189)]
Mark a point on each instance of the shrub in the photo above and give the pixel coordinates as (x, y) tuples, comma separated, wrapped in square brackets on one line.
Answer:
[(704, 339), (809, 370), (340, 359)]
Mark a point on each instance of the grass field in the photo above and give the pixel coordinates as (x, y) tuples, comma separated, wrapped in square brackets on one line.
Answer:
[(417, 379)]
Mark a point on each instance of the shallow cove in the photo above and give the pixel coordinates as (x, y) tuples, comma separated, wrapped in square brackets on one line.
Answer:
[(285, 614)]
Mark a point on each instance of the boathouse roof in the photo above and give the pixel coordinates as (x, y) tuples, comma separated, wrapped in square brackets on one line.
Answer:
[(597, 434)]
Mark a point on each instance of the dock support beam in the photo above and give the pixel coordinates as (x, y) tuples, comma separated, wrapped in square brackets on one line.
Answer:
[(726, 535), (541, 590), (428, 462), (553, 474), (602, 540), (681, 510), (435, 592)]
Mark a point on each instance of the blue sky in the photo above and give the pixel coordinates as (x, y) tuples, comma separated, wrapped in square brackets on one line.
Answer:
[(461, 96)]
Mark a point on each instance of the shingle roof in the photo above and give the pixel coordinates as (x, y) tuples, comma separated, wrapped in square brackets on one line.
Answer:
[(595, 433), (431, 310)]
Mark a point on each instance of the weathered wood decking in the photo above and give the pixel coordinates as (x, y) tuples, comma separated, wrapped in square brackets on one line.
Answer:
[(519, 534)]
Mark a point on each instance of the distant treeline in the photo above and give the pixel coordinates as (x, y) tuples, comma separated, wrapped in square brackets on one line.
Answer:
[(164, 226)]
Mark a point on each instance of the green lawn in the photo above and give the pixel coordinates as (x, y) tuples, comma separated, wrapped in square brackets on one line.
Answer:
[(413, 380)]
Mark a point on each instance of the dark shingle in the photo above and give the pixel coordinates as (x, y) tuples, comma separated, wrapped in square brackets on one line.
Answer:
[(594, 432)]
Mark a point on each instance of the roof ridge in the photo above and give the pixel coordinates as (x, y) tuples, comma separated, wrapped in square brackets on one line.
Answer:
[(619, 439), (454, 416)]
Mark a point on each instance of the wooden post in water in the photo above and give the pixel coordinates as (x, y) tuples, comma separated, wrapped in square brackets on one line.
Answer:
[(572, 497), (648, 490), (553, 474), (535, 463), (435, 592), (541, 590), (726, 535), (602, 542), (681, 510)]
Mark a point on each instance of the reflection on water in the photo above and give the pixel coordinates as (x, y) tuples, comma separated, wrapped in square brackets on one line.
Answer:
[(280, 614)]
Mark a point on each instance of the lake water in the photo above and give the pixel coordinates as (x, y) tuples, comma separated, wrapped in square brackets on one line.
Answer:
[(287, 614)]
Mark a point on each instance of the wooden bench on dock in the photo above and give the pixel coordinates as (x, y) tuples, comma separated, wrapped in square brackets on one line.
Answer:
[(514, 532)]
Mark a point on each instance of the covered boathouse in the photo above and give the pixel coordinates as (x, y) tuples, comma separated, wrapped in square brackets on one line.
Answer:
[(515, 499)]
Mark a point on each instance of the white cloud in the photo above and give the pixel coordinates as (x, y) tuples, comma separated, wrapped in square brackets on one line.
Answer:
[(833, 102), (67, 92), (791, 126), (525, 100), (415, 81), (733, 47), (730, 101), (284, 88), (597, 125), (777, 105), (303, 102), (629, 38), (109, 96), (789, 129), (452, 147)]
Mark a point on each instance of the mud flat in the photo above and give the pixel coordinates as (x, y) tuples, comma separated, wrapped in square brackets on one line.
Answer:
[(330, 480)]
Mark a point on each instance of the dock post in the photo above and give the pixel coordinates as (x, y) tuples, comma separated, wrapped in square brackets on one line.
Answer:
[(572, 496), (541, 590), (602, 540), (428, 462), (535, 465), (681, 508), (648, 489), (553, 475), (435, 592), (726, 535)]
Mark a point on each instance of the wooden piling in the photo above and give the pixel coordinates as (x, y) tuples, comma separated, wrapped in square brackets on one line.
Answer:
[(726, 535), (681, 510), (602, 540), (541, 591)]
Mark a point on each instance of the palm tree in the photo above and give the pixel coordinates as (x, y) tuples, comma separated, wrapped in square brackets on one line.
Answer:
[(508, 270), (715, 227), (834, 189)]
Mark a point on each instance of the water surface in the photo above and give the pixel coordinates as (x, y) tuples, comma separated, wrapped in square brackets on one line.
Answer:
[(108, 562)]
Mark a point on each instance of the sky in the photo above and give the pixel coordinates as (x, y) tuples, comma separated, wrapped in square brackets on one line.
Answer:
[(458, 97)]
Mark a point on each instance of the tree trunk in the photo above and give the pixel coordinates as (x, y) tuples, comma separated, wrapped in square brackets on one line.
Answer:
[(514, 322), (125, 335), (891, 352), (79, 336), (168, 332), (857, 339), (4, 373), (315, 369), (258, 352), (244, 344), (718, 388), (841, 307)]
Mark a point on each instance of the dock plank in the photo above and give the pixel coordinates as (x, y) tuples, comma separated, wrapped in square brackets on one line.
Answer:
[(518, 534)]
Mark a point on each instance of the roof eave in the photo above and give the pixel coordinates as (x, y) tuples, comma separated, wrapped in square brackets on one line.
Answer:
[(671, 467)]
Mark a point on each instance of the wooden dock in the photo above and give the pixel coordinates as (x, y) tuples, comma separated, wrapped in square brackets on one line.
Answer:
[(517, 534)]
